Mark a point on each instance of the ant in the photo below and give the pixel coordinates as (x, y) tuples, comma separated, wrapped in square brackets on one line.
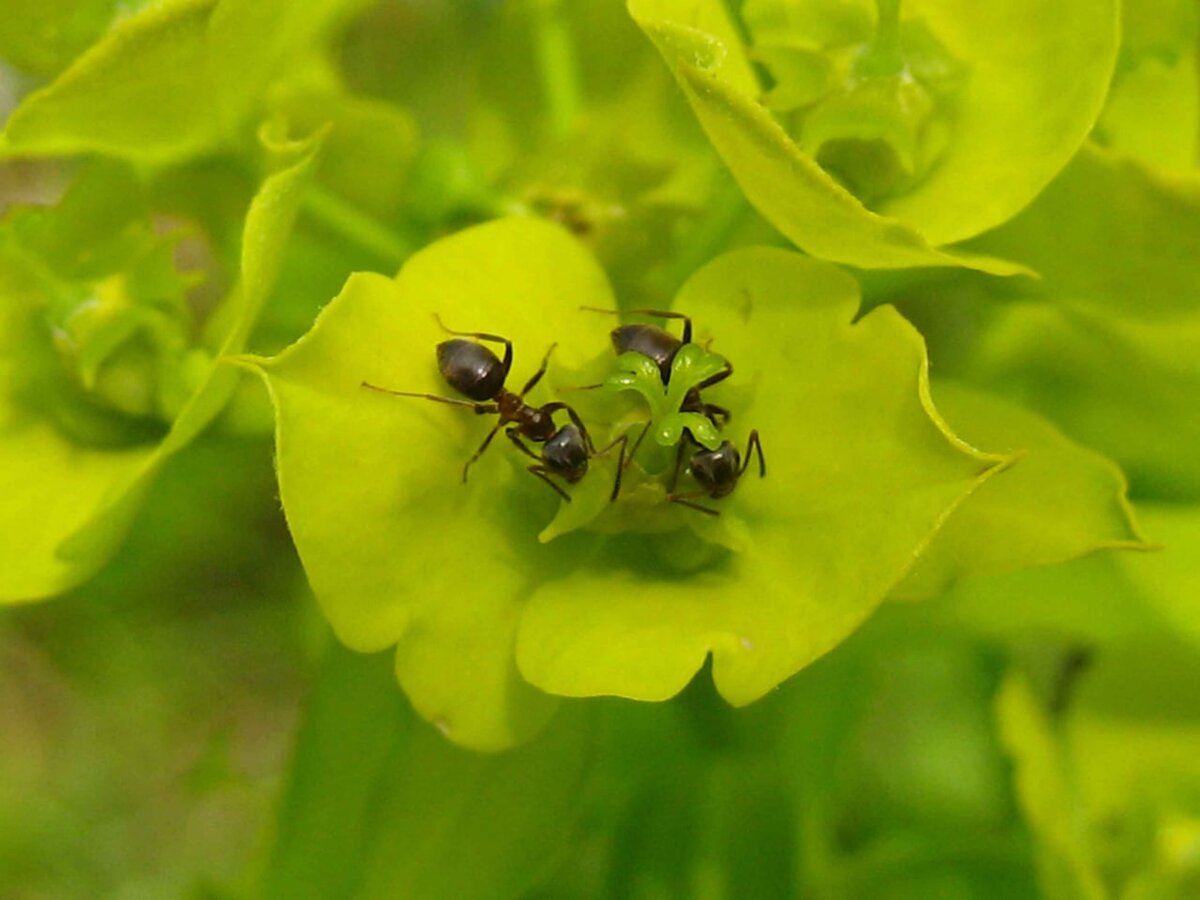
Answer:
[(474, 371), (716, 471), (661, 346)]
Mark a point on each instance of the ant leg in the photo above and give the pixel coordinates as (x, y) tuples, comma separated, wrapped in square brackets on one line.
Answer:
[(754, 444), (682, 500), (537, 376), (512, 435), (675, 473), (480, 408), (541, 472), (578, 422), (623, 440), (716, 378), (656, 313), (616, 491), (580, 387), (482, 447), (715, 412), (638, 443), (495, 338)]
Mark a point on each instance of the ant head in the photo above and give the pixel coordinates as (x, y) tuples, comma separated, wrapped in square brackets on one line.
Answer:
[(566, 453), (717, 470)]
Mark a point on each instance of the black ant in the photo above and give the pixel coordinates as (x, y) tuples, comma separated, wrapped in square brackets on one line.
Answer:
[(716, 471), (661, 346), (474, 371)]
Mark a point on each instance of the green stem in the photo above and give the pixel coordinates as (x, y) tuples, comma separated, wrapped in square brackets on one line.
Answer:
[(726, 211), (363, 229), (884, 56), (559, 71), (887, 26)]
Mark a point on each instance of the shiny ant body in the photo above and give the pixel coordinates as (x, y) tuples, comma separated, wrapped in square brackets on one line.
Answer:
[(474, 371)]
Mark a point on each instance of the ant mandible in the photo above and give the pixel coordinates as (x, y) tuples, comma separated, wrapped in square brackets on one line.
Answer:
[(474, 371)]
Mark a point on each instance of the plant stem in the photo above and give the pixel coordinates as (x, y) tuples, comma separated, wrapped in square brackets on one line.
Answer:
[(363, 229), (556, 62), (884, 56), (726, 210)]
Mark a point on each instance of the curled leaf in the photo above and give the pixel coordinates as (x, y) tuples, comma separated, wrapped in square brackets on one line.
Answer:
[(1060, 501)]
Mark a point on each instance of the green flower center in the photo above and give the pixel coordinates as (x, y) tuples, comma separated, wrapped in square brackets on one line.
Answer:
[(660, 436), (125, 360), (874, 108)]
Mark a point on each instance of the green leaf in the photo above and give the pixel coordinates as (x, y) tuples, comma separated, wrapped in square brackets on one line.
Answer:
[(846, 422), (69, 504), (373, 533), (1036, 80), (168, 82), (140, 92), (250, 41), (1124, 387), (370, 149), (395, 546), (1065, 863), (1112, 791), (1153, 108), (1082, 601), (1058, 502), (353, 729), (377, 806), (1109, 353), (1168, 582), (511, 814), (1104, 599), (1110, 235), (42, 36), (997, 158)]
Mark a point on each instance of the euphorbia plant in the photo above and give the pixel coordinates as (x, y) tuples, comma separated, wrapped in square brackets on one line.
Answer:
[(948, 250), (627, 597)]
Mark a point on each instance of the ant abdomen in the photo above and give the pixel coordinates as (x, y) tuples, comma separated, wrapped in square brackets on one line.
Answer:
[(471, 369), (650, 341)]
